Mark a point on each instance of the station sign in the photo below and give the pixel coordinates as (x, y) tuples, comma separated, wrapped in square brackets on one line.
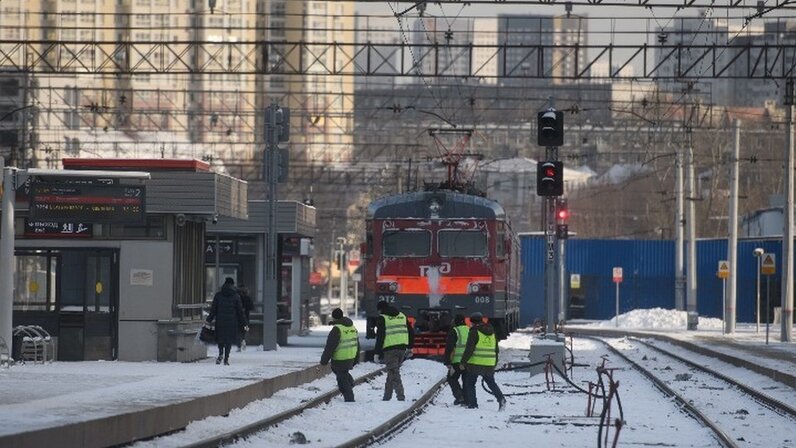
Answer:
[(225, 247), (574, 281), (54, 229), (724, 269), (617, 274), (89, 203), (354, 258), (768, 264)]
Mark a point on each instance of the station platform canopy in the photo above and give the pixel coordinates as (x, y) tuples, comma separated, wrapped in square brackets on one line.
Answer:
[(179, 186)]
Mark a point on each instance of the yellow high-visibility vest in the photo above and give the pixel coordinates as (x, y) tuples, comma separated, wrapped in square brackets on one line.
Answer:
[(347, 346), (485, 353), (462, 331), (395, 332)]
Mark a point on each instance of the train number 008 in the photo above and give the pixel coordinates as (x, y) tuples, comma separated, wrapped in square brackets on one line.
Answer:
[(482, 299), (387, 298)]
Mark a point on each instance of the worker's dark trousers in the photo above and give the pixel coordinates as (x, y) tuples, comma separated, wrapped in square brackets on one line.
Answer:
[(393, 360), (471, 378), (345, 382), (454, 382)]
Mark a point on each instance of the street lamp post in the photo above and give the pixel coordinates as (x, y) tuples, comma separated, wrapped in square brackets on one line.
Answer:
[(758, 252)]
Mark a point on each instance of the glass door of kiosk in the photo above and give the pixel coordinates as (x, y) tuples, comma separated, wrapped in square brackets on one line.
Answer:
[(88, 302), (73, 294)]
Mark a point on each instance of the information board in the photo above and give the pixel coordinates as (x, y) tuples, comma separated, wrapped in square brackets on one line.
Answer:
[(95, 204), (53, 229)]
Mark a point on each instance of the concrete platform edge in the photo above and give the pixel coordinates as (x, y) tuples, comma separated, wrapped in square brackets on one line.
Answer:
[(147, 423)]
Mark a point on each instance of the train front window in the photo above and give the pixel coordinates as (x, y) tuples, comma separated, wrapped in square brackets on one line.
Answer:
[(406, 243), (462, 243)]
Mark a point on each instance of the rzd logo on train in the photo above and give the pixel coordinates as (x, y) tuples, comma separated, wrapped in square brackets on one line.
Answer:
[(443, 268)]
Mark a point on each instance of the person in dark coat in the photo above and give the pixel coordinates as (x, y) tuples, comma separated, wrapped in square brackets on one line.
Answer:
[(479, 359), (392, 348), (227, 311), (248, 306), (342, 348), (454, 350)]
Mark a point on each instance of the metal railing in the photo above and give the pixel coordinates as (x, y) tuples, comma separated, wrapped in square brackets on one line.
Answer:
[(5, 355), (36, 344)]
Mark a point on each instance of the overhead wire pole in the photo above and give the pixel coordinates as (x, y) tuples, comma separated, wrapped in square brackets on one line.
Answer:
[(270, 174), (786, 316), (679, 259), (691, 277), (732, 222), (690, 220), (7, 253)]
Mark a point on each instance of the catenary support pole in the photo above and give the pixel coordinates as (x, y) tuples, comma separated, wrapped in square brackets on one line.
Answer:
[(679, 240), (732, 243), (7, 254), (786, 316), (691, 278), (757, 295), (269, 298)]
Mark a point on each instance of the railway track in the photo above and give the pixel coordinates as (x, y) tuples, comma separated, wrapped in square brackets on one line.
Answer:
[(379, 427), (737, 414)]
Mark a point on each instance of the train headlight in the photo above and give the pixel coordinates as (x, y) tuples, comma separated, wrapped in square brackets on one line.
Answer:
[(475, 288), (393, 287)]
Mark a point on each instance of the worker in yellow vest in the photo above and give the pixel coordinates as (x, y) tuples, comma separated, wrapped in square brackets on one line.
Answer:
[(479, 359), (342, 348), (393, 340), (454, 350)]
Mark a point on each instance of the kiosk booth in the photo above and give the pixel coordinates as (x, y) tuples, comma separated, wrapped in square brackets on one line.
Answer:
[(129, 284)]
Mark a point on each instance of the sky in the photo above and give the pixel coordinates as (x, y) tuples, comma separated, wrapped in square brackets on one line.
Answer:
[(606, 24), (67, 391)]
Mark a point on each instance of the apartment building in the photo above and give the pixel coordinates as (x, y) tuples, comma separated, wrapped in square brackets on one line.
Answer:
[(152, 112)]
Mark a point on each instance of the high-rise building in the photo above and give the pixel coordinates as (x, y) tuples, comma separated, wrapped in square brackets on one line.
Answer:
[(546, 31), (323, 120), (694, 32), (385, 55), (761, 92)]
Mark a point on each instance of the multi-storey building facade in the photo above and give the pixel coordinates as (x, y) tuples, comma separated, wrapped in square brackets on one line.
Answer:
[(321, 104), (212, 116), (545, 31)]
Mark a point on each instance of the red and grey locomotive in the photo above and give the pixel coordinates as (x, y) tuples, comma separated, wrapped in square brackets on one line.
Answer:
[(438, 253)]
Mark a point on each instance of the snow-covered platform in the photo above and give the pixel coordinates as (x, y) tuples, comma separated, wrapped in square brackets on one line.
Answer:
[(90, 404)]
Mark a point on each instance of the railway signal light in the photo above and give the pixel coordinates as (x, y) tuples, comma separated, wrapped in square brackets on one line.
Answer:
[(562, 211), (282, 125), (550, 128), (550, 178), (562, 219)]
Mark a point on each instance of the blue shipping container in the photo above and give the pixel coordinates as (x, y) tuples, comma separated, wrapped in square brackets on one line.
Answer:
[(648, 277)]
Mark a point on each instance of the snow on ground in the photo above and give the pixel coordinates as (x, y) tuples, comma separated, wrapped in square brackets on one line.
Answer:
[(660, 319), (35, 396)]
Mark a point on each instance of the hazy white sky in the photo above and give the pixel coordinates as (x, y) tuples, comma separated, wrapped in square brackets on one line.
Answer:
[(602, 19)]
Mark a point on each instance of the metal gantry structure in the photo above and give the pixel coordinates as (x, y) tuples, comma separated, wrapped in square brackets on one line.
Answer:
[(543, 61)]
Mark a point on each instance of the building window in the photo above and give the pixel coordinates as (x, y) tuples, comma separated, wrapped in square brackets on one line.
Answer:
[(34, 285)]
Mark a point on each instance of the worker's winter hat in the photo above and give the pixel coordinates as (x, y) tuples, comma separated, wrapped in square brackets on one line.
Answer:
[(476, 317), (337, 313), (381, 305)]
